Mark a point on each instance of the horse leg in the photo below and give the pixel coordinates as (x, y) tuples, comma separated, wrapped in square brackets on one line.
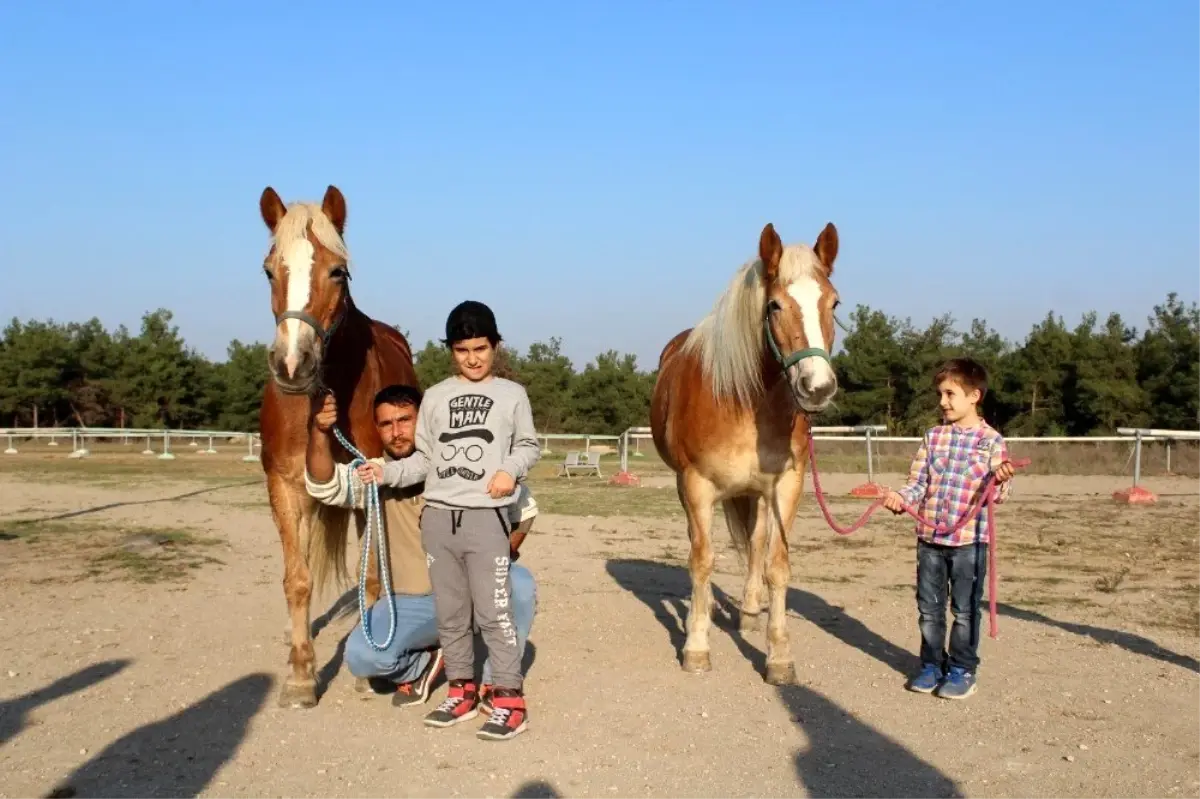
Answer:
[(751, 620), (289, 510), (697, 496), (781, 670)]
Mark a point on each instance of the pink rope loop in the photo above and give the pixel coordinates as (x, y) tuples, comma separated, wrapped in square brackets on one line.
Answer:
[(986, 496)]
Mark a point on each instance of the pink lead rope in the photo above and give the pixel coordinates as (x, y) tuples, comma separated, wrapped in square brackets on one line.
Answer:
[(986, 496)]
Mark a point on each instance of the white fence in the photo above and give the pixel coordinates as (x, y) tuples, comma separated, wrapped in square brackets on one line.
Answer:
[(80, 436), (627, 443)]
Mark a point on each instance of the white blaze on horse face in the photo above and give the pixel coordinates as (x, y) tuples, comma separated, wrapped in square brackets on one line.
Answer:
[(298, 259), (816, 374)]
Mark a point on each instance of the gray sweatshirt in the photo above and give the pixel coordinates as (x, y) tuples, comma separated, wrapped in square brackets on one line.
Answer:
[(466, 432)]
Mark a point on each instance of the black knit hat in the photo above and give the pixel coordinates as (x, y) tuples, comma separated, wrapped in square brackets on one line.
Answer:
[(471, 319)]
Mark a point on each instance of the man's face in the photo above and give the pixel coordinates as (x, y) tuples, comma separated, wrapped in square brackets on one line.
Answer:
[(474, 357), (397, 425), (956, 402)]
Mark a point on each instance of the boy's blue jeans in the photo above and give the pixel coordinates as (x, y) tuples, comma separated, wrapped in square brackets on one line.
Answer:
[(959, 571), (417, 635)]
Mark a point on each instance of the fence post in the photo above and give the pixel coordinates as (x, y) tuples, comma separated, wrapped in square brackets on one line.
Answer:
[(623, 477), (147, 450), (210, 450), (11, 449), (869, 489), (1168, 457), (250, 456), (166, 455), (78, 446), (1135, 494)]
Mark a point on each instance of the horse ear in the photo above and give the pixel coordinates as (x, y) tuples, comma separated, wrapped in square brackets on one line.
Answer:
[(271, 208), (334, 206), (827, 246), (770, 250)]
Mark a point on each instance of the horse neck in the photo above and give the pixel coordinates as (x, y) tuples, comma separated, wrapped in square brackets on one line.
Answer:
[(346, 361)]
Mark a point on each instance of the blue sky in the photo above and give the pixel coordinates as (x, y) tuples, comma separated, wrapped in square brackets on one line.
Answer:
[(597, 171)]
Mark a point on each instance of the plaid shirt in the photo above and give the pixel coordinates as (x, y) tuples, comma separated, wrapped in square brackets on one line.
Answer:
[(948, 473)]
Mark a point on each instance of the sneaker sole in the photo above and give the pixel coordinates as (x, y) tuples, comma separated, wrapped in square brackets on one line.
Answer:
[(918, 690), (470, 714), (487, 736), (969, 692)]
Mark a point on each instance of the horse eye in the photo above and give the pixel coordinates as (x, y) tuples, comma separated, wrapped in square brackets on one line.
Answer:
[(836, 303), (267, 272), (338, 274)]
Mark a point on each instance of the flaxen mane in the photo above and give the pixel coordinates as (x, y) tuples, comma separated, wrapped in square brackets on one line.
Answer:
[(729, 341)]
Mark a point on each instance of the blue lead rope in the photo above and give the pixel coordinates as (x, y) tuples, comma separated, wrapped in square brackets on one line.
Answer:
[(374, 514)]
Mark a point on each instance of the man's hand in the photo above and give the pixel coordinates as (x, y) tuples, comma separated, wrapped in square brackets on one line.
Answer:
[(370, 472), (894, 502), (502, 484), (1004, 472), (325, 414)]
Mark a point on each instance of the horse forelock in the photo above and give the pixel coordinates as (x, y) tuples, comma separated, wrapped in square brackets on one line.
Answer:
[(728, 342), (298, 221)]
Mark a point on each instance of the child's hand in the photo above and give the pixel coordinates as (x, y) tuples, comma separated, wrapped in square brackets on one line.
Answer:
[(894, 502), (370, 473), (1004, 472), (501, 485)]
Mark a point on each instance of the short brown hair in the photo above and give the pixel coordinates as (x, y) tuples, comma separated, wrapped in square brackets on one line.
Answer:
[(967, 372)]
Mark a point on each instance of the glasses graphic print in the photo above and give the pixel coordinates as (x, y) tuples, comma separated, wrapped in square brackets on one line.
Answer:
[(472, 452)]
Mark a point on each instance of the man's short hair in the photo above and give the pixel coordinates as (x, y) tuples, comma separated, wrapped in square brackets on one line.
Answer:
[(967, 372), (399, 394)]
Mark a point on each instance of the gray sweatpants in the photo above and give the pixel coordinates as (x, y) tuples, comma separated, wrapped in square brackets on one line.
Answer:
[(468, 567)]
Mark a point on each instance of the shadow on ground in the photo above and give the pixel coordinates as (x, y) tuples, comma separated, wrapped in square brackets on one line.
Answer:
[(665, 588), (177, 756), (536, 789), (14, 713), (845, 757), (1137, 644)]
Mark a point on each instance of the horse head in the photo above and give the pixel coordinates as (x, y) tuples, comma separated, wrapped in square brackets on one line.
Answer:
[(308, 267), (798, 314)]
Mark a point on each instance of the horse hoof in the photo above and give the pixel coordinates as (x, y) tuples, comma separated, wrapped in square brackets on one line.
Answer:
[(750, 623), (298, 695), (696, 662), (781, 673)]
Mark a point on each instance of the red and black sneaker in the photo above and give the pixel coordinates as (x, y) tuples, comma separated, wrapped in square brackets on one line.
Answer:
[(461, 704), (417, 692), (509, 717)]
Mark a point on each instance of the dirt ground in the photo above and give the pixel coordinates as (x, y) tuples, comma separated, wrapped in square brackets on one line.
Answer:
[(142, 616)]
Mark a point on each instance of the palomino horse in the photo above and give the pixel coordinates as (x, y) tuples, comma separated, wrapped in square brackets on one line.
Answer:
[(730, 416), (322, 342)]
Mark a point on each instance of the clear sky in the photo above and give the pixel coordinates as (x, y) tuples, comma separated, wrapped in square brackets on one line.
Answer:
[(598, 170)]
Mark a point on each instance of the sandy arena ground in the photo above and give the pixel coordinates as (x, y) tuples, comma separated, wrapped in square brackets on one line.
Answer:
[(142, 615)]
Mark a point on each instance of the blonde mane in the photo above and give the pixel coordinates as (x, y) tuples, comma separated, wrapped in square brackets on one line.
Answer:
[(729, 341), (294, 227)]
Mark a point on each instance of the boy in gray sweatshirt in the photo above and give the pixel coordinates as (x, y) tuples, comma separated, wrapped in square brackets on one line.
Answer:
[(475, 440)]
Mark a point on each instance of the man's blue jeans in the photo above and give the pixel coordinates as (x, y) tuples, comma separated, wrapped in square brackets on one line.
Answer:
[(416, 633)]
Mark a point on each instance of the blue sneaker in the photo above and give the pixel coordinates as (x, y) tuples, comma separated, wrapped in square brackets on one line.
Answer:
[(959, 684), (927, 680)]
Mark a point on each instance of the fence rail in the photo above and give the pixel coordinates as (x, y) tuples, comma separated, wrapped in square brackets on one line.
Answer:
[(627, 443)]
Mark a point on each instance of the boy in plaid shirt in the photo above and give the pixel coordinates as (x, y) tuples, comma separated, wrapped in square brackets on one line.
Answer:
[(947, 474)]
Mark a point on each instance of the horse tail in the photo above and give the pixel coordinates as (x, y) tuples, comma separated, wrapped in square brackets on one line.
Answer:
[(739, 518), (328, 532)]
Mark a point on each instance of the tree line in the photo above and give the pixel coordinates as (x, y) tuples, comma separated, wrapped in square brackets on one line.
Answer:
[(1061, 380)]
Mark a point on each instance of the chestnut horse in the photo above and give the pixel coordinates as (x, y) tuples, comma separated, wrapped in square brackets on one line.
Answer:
[(729, 415), (322, 342)]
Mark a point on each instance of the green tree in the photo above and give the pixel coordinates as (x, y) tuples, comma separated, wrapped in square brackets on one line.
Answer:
[(1168, 359), (611, 395), (433, 364)]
